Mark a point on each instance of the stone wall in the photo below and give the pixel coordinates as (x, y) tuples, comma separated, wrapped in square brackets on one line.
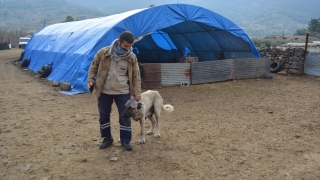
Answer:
[(292, 59)]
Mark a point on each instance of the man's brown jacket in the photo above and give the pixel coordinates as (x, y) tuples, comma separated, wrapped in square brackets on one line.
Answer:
[(99, 67)]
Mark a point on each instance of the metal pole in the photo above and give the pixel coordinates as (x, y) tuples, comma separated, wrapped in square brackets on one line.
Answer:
[(305, 52)]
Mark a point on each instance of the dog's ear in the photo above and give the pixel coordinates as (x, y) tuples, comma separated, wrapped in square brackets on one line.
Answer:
[(139, 105)]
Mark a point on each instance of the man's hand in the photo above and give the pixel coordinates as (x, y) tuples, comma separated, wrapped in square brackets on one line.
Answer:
[(89, 84), (137, 97)]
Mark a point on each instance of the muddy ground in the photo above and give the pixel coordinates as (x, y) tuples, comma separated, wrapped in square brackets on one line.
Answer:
[(241, 129)]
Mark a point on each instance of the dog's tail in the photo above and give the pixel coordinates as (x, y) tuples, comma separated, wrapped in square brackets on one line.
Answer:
[(167, 108)]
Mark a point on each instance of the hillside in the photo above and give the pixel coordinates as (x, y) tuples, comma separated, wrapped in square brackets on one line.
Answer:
[(257, 17), (33, 15)]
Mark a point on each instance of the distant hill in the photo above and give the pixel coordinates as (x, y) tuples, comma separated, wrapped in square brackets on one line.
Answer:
[(32, 15), (258, 18)]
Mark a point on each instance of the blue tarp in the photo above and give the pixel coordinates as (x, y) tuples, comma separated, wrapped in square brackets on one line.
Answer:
[(163, 34)]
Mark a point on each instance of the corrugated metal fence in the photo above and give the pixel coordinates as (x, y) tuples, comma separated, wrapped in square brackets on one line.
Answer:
[(251, 68), (227, 69), (213, 71), (312, 64), (175, 73)]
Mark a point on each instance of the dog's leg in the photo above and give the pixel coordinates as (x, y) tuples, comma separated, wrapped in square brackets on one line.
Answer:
[(152, 125), (142, 135), (157, 133)]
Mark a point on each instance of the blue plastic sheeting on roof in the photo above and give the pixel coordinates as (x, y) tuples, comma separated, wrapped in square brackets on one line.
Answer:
[(186, 52), (163, 40), (164, 32)]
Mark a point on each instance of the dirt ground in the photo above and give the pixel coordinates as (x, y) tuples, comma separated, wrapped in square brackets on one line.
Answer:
[(241, 129)]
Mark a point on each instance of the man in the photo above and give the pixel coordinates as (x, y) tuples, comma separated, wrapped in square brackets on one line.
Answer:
[(114, 74)]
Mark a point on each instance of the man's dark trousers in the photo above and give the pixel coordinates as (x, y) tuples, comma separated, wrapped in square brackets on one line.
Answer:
[(105, 104)]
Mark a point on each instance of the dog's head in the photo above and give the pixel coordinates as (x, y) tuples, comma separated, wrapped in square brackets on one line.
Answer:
[(131, 109)]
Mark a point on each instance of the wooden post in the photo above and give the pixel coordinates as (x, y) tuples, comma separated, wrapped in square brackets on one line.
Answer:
[(305, 52)]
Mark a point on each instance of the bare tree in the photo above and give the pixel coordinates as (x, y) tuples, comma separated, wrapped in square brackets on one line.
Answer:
[(12, 36), (23, 31)]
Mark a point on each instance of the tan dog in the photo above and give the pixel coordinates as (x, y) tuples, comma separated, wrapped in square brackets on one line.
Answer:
[(151, 103)]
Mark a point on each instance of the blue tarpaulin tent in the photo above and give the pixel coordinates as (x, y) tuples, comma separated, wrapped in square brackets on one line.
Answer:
[(162, 33)]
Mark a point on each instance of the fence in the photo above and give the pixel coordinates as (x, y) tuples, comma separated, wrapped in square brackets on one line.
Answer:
[(211, 71), (5, 46), (312, 64), (228, 69)]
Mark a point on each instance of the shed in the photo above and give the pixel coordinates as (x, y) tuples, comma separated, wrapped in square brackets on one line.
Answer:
[(163, 34)]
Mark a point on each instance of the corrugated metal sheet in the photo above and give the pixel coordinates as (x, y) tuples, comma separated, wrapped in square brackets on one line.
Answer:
[(251, 68), (312, 64), (152, 76), (211, 71), (205, 72), (175, 73), (227, 69)]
